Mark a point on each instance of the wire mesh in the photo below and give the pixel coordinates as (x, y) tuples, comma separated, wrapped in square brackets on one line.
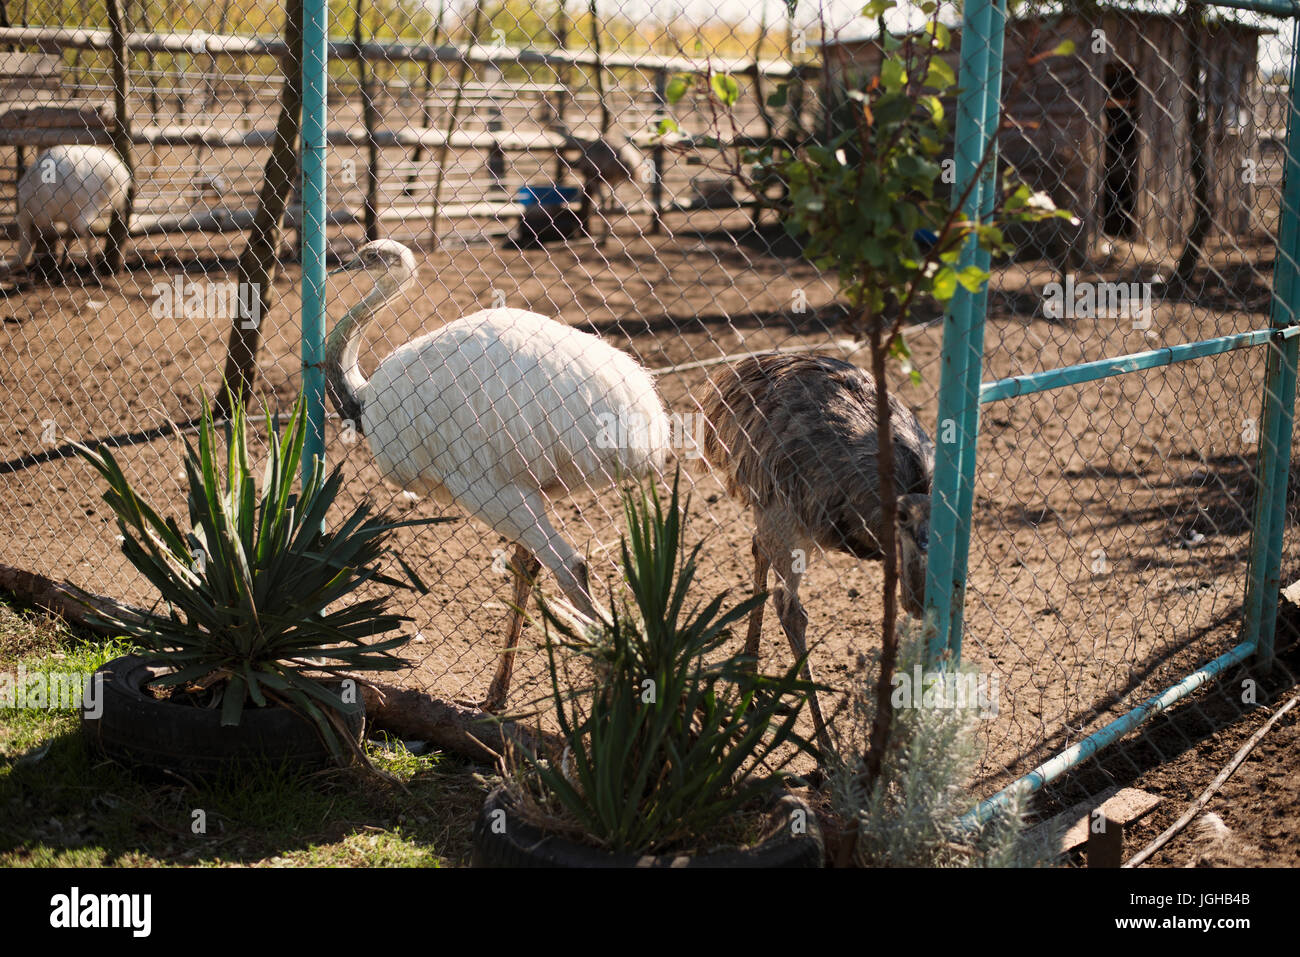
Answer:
[(1111, 521)]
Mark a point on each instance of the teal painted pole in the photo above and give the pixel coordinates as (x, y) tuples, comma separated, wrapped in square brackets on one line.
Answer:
[(1077, 754), (970, 428), (314, 52), (1278, 403), (944, 590), (1019, 385)]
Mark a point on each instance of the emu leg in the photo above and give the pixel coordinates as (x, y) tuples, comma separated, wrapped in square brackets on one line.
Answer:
[(761, 566), (794, 621), (525, 567)]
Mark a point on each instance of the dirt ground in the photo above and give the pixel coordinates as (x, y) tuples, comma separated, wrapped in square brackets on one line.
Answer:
[(1111, 523)]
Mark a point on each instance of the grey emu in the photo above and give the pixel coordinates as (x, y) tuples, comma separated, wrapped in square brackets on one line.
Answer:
[(794, 438)]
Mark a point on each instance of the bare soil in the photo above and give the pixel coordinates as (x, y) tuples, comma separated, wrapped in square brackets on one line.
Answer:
[(1111, 524)]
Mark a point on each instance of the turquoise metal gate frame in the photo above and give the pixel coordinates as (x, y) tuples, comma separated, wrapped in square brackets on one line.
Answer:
[(314, 99), (962, 394)]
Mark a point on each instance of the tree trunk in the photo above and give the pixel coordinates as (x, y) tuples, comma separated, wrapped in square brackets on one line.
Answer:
[(883, 718), (412, 714), (258, 261), (1198, 133), (426, 117), (598, 71), (560, 103), (440, 170), (370, 117), (120, 225)]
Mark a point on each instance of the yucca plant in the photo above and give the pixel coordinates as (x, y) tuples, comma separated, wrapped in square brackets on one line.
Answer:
[(253, 588), (675, 734)]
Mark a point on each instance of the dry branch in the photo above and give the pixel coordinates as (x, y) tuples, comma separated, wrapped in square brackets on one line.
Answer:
[(64, 599)]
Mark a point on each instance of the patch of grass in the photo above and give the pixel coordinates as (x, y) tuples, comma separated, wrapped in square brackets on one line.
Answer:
[(25, 633), (60, 807)]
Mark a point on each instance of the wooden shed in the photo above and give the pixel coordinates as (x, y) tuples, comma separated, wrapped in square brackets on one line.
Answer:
[(1105, 130)]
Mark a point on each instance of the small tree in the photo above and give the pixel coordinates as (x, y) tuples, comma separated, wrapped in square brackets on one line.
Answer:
[(259, 261), (867, 202)]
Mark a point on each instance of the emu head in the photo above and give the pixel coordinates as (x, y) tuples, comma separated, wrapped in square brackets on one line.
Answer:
[(913, 547), (389, 264)]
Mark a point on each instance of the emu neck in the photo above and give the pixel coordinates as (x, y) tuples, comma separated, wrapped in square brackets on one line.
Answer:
[(343, 379)]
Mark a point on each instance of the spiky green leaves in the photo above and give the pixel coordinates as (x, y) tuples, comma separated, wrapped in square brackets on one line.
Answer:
[(675, 734), (253, 590)]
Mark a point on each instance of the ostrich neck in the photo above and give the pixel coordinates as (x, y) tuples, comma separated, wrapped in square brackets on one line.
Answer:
[(343, 378)]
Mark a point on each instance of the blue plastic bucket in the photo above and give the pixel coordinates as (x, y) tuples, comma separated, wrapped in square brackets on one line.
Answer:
[(547, 195)]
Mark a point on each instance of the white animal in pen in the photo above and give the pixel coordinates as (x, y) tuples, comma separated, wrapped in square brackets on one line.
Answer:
[(75, 187), (493, 413)]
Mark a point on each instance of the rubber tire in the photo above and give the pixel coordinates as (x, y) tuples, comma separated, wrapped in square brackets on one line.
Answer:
[(156, 736), (524, 845)]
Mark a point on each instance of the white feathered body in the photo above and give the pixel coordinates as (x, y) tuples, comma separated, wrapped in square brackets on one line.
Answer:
[(74, 186), (506, 398)]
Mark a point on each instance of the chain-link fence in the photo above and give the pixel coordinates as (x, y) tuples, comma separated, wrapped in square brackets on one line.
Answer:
[(1112, 519)]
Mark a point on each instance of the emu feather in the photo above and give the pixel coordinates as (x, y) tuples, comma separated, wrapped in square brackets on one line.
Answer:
[(794, 438)]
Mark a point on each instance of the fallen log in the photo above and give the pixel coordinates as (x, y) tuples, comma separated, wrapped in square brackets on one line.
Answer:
[(405, 712), (64, 599), (414, 715)]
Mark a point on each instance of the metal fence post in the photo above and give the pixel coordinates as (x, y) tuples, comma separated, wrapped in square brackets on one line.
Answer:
[(962, 344), (970, 426), (1278, 402), (316, 16)]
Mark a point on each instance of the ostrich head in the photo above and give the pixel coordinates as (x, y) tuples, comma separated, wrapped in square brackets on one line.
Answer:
[(388, 263), (390, 267), (913, 546)]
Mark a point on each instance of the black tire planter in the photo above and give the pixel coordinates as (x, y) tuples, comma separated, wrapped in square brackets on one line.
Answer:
[(524, 845), (155, 736)]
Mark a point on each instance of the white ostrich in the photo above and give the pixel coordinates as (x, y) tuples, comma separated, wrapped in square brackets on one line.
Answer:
[(78, 187), (492, 413)]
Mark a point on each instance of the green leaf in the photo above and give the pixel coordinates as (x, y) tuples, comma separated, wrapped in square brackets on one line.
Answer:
[(877, 8), (941, 35), (940, 75), (648, 774), (944, 284), (972, 278), (261, 600), (1064, 48), (725, 88), (893, 75), (677, 87), (666, 125), (779, 97)]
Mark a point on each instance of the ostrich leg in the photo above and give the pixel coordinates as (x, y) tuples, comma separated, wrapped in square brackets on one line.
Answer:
[(794, 620), (761, 566), (525, 568)]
